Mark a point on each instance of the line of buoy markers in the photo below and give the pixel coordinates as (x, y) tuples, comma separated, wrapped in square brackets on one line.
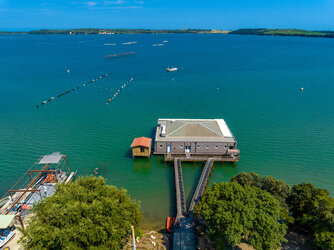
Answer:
[(119, 90), (68, 91)]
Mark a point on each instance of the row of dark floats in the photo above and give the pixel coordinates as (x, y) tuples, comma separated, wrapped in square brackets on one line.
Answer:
[(85, 85), (119, 90)]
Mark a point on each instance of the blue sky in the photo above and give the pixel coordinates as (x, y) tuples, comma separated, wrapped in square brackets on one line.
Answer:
[(215, 14)]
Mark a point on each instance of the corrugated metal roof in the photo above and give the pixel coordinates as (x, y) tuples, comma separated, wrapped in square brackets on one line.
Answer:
[(195, 130), (141, 141), (53, 158)]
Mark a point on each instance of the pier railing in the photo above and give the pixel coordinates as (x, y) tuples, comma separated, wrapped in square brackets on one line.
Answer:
[(203, 181), (180, 196), (183, 157)]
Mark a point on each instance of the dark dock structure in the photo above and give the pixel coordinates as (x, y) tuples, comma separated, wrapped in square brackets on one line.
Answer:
[(195, 140), (178, 140), (184, 232), (203, 181), (180, 196)]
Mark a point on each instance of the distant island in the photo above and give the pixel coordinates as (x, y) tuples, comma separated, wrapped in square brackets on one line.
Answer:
[(258, 32), (283, 32), (94, 31)]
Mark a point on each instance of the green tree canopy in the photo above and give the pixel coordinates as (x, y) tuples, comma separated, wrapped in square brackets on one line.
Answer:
[(313, 210), (278, 188), (324, 240), (306, 199), (83, 214), (250, 179), (233, 213)]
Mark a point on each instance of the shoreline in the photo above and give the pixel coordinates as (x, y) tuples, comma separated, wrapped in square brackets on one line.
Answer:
[(254, 32)]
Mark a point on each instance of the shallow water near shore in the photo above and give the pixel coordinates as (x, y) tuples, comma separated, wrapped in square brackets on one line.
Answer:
[(252, 82)]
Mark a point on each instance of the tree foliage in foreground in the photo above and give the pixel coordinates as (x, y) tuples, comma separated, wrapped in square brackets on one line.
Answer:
[(83, 214), (278, 188), (313, 210), (233, 213)]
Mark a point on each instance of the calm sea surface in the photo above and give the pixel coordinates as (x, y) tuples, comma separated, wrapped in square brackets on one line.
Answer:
[(252, 82)]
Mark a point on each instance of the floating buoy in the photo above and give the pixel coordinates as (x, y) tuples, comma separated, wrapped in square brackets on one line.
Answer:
[(217, 88), (68, 71), (301, 89), (44, 102), (52, 98)]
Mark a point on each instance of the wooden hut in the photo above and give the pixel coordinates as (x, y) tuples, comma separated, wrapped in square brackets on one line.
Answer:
[(141, 146)]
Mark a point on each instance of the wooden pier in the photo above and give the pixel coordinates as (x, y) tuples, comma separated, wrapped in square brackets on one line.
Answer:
[(184, 232), (180, 197), (203, 181)]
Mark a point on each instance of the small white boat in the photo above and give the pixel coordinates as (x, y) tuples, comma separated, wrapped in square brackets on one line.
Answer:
[(172, 69), (6, 235)]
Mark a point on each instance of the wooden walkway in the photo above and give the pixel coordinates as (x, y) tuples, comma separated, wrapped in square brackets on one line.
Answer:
[(180, 196), (203, 181), (184, 232)]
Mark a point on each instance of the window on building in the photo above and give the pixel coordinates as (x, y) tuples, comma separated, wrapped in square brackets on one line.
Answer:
[(160, 146), (207, 146), (142, 150), (216, 147), (198, 146), (181, 146), (231, 147)]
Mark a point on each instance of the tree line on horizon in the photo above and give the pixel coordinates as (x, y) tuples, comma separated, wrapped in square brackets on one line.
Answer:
[(248, 31)]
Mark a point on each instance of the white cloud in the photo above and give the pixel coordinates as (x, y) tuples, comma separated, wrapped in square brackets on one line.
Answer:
[(91, 3), (114, 2)]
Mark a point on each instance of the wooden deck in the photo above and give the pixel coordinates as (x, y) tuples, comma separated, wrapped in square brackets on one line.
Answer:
[(183, 157)]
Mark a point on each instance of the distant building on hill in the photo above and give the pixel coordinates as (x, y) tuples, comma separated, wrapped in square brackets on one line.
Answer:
[(191, 138), (141, 147)]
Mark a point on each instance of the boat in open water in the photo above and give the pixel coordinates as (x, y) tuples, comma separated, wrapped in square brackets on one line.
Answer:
[(172, 69)]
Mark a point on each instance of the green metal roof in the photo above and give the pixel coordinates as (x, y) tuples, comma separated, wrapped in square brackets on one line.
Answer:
[(5, 220)]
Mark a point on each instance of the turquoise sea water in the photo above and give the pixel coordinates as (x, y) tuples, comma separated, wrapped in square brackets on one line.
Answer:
[(280, 131)]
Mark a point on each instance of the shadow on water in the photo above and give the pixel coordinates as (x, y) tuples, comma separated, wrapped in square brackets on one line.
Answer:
[(171, 185), (142, 164), (199, 167), (152, 135), (223, 172), (128, 153), (169, 167)]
